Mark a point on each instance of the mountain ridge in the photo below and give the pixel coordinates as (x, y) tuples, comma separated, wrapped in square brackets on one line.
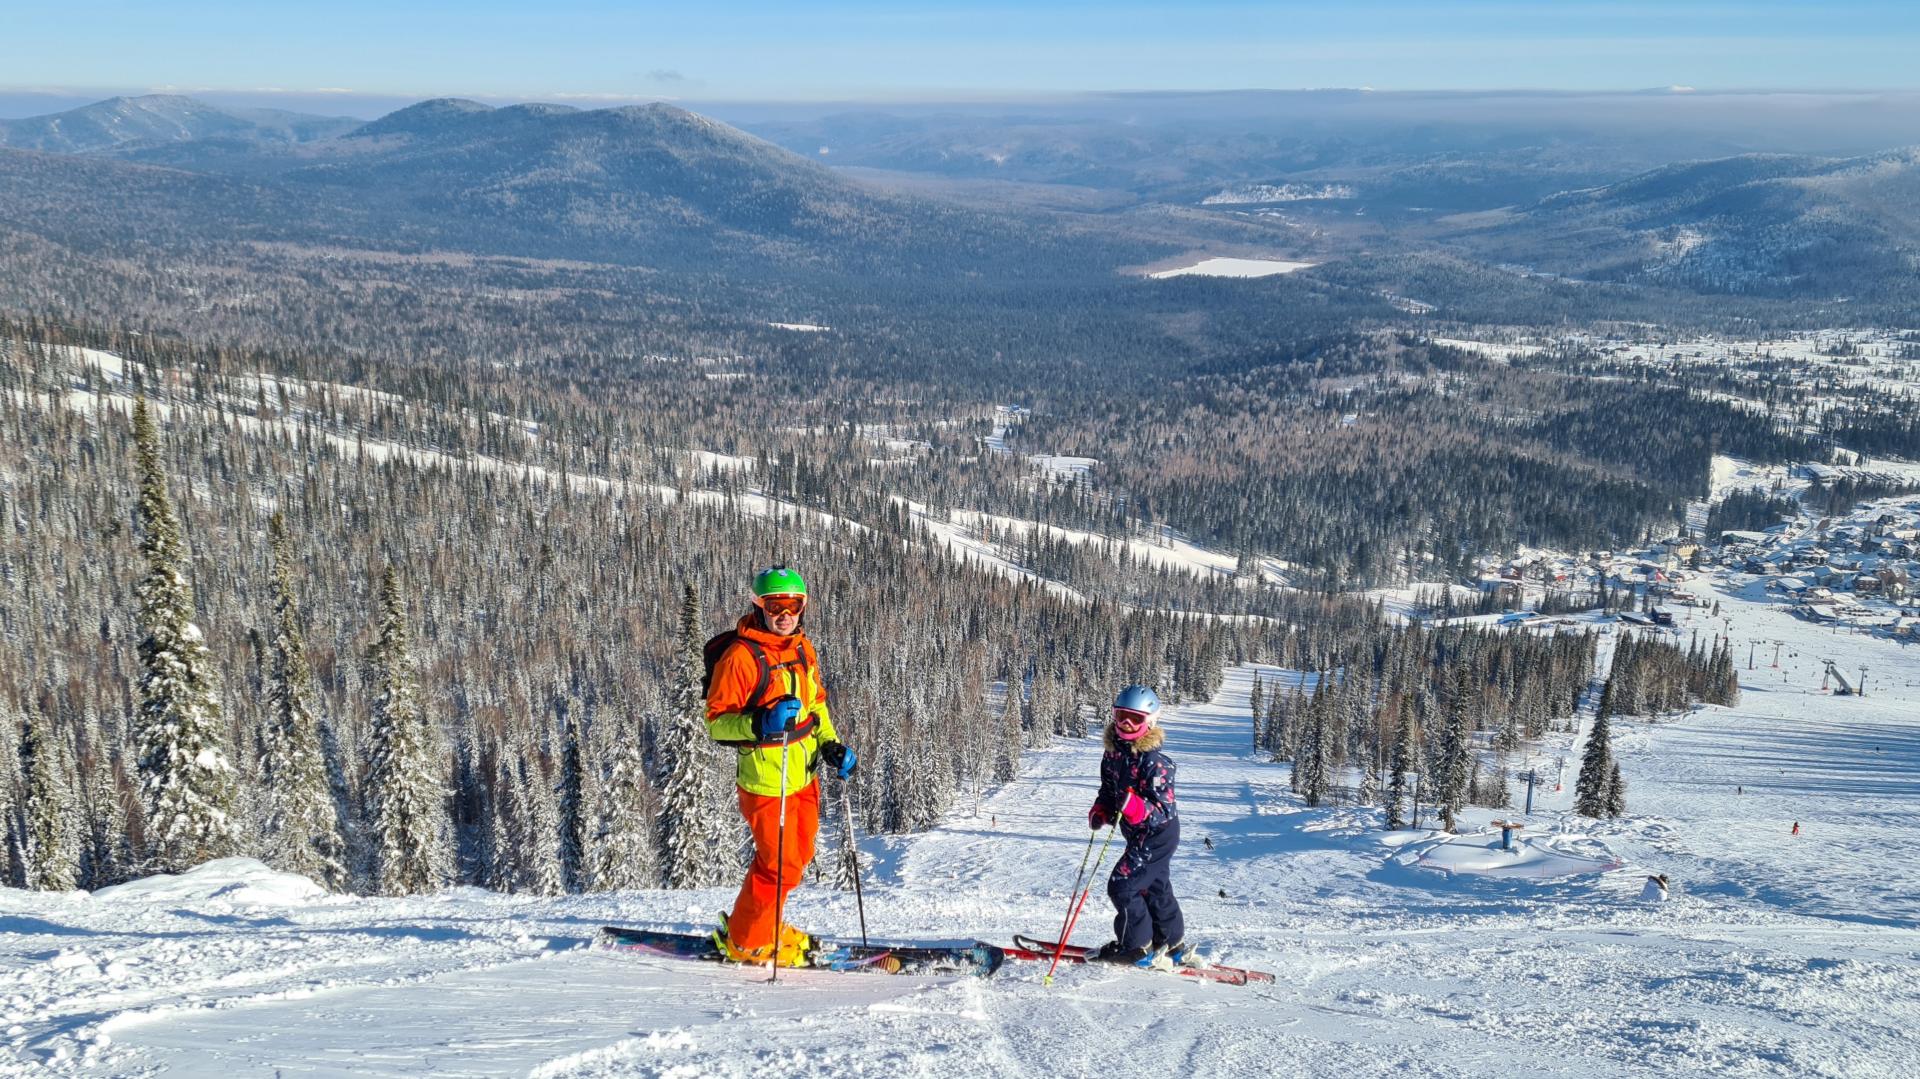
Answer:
[(119, 124)]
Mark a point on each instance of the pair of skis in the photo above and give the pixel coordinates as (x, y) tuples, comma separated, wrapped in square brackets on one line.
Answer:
[(977, 958), (1043, 951)]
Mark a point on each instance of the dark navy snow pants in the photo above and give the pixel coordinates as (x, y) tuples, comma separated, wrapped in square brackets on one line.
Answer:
[(1147, 914)]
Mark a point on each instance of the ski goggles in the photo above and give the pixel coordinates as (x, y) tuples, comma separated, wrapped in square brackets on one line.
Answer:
[(1129, 724), (779, 605)]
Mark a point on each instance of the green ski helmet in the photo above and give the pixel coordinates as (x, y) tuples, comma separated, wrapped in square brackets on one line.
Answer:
[(779, 581)]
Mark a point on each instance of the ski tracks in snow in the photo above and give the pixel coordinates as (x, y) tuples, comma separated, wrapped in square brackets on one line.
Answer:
[(1382, 969)]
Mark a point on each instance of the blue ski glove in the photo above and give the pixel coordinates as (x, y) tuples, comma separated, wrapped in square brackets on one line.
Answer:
[(770, 721), (839, 757)]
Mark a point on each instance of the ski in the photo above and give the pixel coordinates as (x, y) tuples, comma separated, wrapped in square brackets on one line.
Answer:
[(1032, 948), (978, 958)]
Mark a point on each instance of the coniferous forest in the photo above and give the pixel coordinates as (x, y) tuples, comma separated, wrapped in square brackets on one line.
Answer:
[(382, 540), (397, 670)]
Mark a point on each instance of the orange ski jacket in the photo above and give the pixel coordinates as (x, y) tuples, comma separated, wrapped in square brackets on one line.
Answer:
[(794, 669)]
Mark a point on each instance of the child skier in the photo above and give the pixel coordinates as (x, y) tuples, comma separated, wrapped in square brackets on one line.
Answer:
[(1136, 788)]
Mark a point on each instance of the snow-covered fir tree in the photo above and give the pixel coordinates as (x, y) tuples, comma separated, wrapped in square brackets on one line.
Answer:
[(537, 806), (1011, 742), (625, 853), (696, 851), (1590, 790), (409, 832), (12, 839), (1616, 802), (303, 828), (186, 781), (1257, 708), (1455, 765), (51, 846), (1398, 767), (1312, 763), (571, 787), (107, 845)]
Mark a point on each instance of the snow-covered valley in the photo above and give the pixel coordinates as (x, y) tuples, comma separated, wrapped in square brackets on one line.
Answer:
[(1776, 955)]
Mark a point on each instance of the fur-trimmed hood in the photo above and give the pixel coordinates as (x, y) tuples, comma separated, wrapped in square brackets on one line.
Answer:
[(1146, 743)]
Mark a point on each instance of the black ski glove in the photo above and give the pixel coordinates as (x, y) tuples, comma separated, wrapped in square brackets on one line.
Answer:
[(838, 757)]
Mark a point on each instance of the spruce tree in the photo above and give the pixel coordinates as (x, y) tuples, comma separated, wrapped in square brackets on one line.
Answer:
[(1401, 764), (1256, 707), (537, 806), (409, 829), (695, 851), (625, 849), (1311, 765), (1616, 792), (1012, 739), (12, 828), (1596, 763), (107, 850), (303, 824), (186, 782), (51, 843), (573, 801), (1455, 754)]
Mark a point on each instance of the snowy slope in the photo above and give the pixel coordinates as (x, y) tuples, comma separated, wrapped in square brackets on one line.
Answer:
[(1776, 956)]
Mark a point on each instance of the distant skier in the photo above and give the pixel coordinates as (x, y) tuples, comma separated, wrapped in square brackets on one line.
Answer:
[(1655, 890), (765, 698), (1136, 789)]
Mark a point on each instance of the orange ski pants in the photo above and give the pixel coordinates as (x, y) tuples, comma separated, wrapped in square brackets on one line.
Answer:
[(752, 923)]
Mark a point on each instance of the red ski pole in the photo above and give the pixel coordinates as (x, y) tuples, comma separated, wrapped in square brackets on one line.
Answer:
[(1073, 893), (1060, 947)]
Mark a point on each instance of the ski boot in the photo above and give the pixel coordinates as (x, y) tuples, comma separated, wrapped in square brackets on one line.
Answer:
[(794, 940), (1169, 956), (791, 950), (1115, 952)]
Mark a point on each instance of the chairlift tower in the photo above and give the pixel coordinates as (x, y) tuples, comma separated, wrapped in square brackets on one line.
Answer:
[(1841, 688)]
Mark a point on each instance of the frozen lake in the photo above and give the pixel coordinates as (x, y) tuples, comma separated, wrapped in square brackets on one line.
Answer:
[(1225, 267)]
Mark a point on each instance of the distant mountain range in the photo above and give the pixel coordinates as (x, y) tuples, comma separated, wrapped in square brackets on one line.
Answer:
[(653, 186), (1762, 224), (123, 124), (664, 189)]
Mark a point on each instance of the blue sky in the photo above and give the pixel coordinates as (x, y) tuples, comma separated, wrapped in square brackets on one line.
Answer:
[(578, 49)]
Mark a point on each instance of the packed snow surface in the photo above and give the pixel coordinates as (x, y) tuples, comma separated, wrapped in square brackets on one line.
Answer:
[(1776, 955)]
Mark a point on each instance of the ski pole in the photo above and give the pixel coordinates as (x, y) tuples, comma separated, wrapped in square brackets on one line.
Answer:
[(853, 852), (1061, 948), (1078, 879), (780, 864)]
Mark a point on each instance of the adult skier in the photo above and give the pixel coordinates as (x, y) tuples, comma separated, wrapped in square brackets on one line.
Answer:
[(766, 699), (1136, 789)]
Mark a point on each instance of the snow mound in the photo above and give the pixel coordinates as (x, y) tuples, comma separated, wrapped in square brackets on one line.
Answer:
[(239, 881), (1542, 857)]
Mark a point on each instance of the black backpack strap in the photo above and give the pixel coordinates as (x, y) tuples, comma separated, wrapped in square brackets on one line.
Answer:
[(760, 684)]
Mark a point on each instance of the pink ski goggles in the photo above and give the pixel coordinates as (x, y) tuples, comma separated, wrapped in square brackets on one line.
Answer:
[(1129, 725)]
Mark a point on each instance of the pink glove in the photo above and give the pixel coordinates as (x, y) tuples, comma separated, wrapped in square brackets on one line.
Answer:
[(1134, 809), (1098, 817)]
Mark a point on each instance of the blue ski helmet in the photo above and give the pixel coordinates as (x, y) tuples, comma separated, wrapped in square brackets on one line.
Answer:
[(1138, 699), (1133, 713)]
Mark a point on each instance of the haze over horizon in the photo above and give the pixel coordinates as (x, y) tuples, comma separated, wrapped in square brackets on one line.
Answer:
[(362, 58)]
